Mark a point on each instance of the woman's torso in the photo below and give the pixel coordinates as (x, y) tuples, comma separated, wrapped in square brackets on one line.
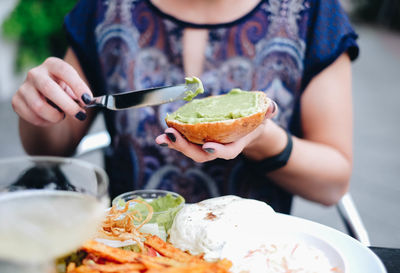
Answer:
[(139, 47)]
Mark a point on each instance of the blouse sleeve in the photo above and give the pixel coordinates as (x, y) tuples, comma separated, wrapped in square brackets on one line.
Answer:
[(79, 26), (330, 34)]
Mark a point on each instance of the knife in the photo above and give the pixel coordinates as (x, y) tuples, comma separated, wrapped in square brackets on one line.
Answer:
[(141, 98)]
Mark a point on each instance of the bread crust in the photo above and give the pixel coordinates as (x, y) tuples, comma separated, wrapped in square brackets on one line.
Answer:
[(224, 132)]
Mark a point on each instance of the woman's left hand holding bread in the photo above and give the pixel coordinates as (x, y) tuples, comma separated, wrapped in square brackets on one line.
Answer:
[(212, 150)]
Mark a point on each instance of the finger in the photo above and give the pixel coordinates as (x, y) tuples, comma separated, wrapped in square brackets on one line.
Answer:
[(65, 72), (86, 98), (38, 105), (162, 140), (51, 90), (24, 111), (177, 142), (52, 104), (232, 150), (67, 90), (225, 151)]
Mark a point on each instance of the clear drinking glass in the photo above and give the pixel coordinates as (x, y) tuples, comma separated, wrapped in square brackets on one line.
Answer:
[(48, 207)]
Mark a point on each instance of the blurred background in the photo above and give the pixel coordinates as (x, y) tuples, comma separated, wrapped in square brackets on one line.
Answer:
[(31, 30)]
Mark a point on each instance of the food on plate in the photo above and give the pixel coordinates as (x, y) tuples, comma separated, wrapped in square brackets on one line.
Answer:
[(164, 204), (124, 224), (164, 258), (278, 253), (223, 234), (249, 234), (206, 227), (149, 254), (223, 119)]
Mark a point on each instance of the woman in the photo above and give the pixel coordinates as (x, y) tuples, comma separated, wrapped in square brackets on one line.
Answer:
[(296, 51)]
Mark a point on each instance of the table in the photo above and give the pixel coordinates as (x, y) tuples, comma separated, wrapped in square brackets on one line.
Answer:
[(390, 258)]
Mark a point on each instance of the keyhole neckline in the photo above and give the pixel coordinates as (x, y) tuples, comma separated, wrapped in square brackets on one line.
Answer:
[(203, 26)]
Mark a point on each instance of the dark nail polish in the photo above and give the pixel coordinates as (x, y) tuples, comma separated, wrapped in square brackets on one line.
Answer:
[(81, 116), (86, 98), (171, 137), (209, 150), (163, 144)]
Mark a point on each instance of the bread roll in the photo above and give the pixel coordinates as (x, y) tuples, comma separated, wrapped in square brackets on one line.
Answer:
[(237, 122)]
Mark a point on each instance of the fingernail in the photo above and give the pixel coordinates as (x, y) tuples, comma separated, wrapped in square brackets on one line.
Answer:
[(86, 98), (171, 137), (209, 150), (81, 116), (163, 144)]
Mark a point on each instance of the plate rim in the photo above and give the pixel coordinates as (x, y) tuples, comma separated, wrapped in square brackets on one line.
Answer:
[(348, 240)]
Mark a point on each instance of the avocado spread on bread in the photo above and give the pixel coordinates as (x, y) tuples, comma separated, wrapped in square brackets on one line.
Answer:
[(194, 87), (235, 104)]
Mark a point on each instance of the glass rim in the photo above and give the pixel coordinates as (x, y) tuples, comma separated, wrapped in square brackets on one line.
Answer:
[(138, 192), (102, 187)]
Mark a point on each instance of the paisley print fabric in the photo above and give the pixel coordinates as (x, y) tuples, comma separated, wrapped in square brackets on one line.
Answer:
[(130, 44)]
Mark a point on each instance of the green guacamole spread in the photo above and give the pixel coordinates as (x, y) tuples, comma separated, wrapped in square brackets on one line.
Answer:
[(194, 86), (237, 103)]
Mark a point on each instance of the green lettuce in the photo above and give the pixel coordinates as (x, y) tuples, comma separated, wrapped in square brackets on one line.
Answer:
[(165, 209)]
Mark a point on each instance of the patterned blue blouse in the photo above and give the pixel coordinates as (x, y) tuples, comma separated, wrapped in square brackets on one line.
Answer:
[(130, 44)]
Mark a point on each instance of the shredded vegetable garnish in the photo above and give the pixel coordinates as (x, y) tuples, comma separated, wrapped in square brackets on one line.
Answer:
[(124, 224)]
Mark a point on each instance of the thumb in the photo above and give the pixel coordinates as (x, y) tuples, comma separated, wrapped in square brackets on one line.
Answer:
[(272, 110)]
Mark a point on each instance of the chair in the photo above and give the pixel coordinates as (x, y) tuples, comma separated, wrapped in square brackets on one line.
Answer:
[(351, 218), (346, 207)]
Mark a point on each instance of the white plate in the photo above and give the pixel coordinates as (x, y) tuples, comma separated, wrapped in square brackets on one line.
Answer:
[(356, 257), (300, 250)]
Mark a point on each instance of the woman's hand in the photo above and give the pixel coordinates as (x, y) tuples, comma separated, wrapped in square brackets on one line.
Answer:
[(212, 150), (51, 91)]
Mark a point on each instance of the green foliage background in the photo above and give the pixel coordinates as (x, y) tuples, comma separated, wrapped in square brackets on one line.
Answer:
[(37, 27)]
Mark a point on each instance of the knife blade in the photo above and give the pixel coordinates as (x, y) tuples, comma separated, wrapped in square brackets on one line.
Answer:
[(140, 98)]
